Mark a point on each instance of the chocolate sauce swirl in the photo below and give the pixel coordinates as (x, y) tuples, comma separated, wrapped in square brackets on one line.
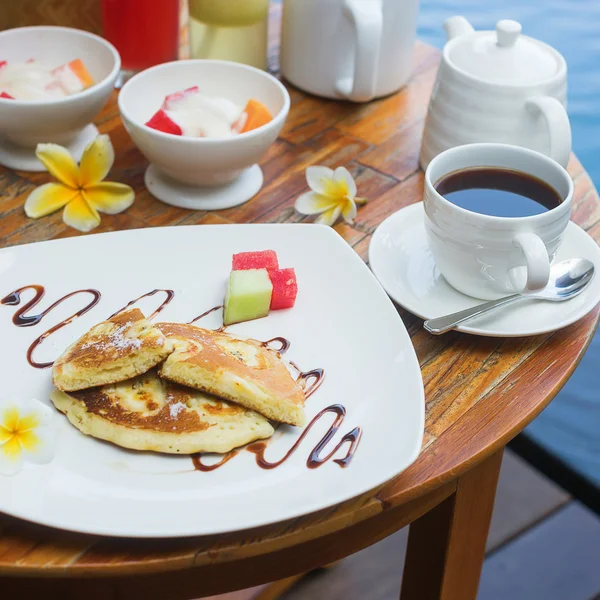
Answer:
[(205, 314), (200, 466), (283, 344), (170, 295), (317, 376), (20, 319), (315, 459), (14, 299)]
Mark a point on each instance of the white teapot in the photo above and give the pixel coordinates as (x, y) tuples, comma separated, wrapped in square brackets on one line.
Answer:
[(498, 86)]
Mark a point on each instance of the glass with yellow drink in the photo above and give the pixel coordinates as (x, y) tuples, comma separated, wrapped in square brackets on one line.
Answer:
[(230, 30)]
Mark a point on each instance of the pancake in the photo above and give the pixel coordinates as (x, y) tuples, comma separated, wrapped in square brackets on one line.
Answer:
[(147, 413), (115, 350), (243, 371)]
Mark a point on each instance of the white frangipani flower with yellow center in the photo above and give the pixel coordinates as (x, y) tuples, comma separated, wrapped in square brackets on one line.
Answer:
[(26, 433), (333, 193), (80, 189)]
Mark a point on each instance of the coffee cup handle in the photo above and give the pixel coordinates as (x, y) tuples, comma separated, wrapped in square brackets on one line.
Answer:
[(536, 257), (367, 20), (557, 122)]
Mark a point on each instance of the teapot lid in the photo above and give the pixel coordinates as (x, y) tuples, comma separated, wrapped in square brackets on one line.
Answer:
[(505, 56)]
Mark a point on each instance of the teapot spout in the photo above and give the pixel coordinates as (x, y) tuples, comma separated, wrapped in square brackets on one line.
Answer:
[(457, 26)]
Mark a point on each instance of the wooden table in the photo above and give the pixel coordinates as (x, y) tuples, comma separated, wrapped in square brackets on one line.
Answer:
[(480, 392)]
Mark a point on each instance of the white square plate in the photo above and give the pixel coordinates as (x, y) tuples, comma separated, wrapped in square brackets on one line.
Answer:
[(343, 322)]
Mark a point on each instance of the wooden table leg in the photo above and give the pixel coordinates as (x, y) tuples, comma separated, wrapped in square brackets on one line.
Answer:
[(446, 546)]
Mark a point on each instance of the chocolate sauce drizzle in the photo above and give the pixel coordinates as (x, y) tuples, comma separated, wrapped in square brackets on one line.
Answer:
[(170, 294), (277, 344), (204, 314), (20, 319), (317, 376), (200, 466), (284, 344), (315, 459)]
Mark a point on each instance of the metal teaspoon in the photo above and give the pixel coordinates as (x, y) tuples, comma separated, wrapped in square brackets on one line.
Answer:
[(568, 278)]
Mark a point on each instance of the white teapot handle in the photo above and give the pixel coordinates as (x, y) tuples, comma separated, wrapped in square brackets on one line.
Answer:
[(367, 20), (557, 121)]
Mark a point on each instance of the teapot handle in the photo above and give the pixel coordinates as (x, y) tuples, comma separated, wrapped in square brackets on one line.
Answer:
[(557, 121), (367, 20)]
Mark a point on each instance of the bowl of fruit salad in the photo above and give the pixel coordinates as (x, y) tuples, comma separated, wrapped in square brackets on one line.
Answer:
[(53, 83), (203, 125)]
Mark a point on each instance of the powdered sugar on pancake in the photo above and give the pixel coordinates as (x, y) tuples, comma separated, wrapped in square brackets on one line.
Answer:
[(115, 339), (175, 409)]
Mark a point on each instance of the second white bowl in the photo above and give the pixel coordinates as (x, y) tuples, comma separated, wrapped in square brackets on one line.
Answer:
[(202, 161)]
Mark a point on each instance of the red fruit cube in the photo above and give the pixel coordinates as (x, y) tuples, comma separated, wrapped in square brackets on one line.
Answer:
[(7, 96), (285, 288), (2, 63), (162, 122), (172, 100), (266, 259)]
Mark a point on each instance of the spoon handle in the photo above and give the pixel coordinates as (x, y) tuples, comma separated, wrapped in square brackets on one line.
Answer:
[(448, 322)]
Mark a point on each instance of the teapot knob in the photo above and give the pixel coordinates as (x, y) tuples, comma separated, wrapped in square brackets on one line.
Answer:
[(507, 32)]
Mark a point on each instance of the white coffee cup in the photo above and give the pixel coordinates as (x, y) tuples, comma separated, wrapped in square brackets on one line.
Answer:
[(488, 256)]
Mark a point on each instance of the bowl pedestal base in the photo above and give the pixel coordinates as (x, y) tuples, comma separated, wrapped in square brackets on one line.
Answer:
[(171, 192), (20, 158)]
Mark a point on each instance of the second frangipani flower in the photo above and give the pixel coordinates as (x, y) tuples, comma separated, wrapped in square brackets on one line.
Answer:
[(27, 433), (80, 189), (333, 193)]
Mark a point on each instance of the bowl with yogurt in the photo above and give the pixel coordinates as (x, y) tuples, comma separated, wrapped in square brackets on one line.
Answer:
[(53, 83), (203, 125)]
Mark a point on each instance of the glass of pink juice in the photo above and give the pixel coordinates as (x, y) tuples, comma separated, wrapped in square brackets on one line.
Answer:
[(145, 32)]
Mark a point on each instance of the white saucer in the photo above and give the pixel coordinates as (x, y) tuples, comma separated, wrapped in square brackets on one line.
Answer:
[(219, 197), (24, 159), (399, 257)]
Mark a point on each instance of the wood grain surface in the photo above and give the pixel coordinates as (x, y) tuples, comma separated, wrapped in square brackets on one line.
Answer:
[(480, 392)]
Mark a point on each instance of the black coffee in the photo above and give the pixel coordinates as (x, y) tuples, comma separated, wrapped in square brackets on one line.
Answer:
[(498, 192)]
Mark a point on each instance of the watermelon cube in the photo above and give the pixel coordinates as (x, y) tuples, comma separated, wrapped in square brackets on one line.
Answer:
[(248, 296), (7, 96), (162, 122), (265, 259), (285, 288), (3, 63), (177, 99)]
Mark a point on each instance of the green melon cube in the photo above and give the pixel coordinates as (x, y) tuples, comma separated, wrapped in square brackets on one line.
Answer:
[(248, 296)]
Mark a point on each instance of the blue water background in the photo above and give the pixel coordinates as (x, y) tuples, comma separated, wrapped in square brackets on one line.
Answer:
[(570, 426)]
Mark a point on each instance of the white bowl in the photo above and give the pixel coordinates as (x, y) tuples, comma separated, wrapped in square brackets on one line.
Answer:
[(60, 120), (202, 161)]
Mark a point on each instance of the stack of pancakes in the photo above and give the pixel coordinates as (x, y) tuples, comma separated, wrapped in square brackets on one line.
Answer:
[(172, 387)]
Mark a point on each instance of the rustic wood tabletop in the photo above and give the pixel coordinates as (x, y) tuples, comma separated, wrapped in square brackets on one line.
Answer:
[(480, 392)]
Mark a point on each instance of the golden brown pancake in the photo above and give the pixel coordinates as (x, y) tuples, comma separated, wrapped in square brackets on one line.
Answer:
[(115, 350), (148, 413), (243, 371)]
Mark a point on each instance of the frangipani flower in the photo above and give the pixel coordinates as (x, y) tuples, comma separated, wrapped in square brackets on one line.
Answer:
[(333, 193), (80, 189), (26, 433)]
